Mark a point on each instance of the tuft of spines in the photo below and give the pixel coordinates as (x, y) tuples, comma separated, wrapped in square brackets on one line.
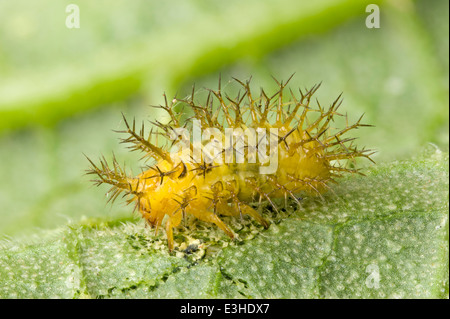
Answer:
[(141, 143), (116, 177)]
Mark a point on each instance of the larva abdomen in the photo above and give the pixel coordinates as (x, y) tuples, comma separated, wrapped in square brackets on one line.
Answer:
[(248, 158)]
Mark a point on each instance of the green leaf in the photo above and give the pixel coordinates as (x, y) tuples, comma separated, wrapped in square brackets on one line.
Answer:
[(384, 235)]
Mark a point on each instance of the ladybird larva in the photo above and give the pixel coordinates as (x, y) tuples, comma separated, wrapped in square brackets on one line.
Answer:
[(263, 148)]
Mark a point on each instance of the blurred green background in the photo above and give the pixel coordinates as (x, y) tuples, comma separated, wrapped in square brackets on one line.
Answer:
[(62, 90)]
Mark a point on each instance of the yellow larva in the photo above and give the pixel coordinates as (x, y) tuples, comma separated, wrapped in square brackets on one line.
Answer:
[(251, 149)]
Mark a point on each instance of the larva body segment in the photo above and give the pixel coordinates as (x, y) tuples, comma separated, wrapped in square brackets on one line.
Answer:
[(229, 175)]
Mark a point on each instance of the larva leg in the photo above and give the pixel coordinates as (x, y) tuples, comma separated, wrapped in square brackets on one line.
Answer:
[(153, 220), (169, 233), (245, 209), (273, 180), (172, 222), (213, 218), (224, 209), (200, 208), (216, 220), (254, 184), (241, 209)]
